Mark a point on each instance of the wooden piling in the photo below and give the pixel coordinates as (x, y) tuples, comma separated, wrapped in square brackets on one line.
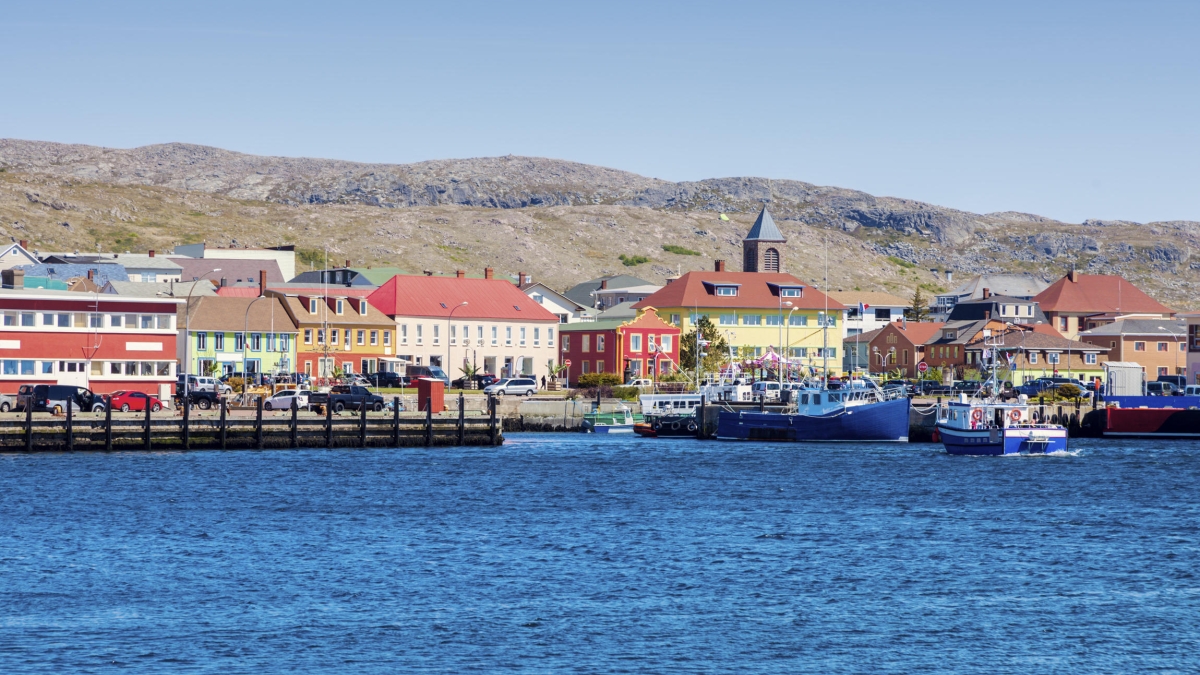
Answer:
[(187, 428), (70, 428), (292, 442), (461, 419), (147, 425), (29, 426), (224, 428), (428, 421), (362, 423), (329, 425), (492, 418), (258, 430), (108, 425), (395, 420)]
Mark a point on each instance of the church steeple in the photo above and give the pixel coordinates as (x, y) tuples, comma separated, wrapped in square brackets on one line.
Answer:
[(763, 247)]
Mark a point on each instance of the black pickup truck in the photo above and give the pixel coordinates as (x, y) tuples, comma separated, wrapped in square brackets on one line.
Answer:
[(345, 396), (200, 399)]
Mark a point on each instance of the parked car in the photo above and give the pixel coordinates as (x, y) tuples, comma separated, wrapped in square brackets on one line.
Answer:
[(1162, 389), (766, 390), (481, 381), (126, 401), (345, 396), (7, 403), (1190, 390), (385, 379), (647, 383), (201, 399), (1180, 381), (431, 372), (515, 386), (202, 383), (55, 398), (282, 400), (896, 385)]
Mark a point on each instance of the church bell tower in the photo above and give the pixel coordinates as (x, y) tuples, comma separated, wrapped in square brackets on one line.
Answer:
[(763, 247)]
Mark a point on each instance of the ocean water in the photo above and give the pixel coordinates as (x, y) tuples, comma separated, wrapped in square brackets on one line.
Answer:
[(583, 554)]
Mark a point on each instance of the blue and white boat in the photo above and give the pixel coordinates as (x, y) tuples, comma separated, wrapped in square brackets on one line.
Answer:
[(619, 421), (819, 414), (986, 427)]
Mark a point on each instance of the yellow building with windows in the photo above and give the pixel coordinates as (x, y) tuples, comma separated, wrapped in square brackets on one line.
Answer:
[(339, 333)]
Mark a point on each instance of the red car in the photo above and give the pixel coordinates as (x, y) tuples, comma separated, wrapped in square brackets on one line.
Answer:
[(134, 400)]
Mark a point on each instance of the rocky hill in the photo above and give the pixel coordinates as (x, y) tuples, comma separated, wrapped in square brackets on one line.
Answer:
[(559, 220)]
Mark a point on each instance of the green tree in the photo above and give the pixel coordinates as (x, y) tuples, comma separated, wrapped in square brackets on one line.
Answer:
[(717, 349), (920, 307)]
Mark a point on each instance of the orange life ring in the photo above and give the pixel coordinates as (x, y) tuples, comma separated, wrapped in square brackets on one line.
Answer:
[(977, 414), (1015, 415)]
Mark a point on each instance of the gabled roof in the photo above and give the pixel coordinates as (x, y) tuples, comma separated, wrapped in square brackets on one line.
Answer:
[(377, 275), (582, 292), (1018, 285), (871, 298), (1096, 294), (863, 337), (543, 288), (104, 271), (976, 309), (621, 310), (297, 309), (917, 332), (232, 269), (1031, 339), (964, 332), (644, 318), (138, 289), (421, 296), (237, 314), (756, 290), (1170, 327), (15, 249), (764, 228)]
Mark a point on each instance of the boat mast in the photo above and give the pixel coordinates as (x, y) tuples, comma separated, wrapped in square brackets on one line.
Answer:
[(825, 321)]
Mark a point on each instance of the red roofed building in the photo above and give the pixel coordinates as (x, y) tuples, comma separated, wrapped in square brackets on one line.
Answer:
[(645, 346), (901, 345), (755, 311), (1079, 302), (444, 321)]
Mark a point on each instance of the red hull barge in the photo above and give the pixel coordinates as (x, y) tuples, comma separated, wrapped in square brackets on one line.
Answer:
[(1152, 422)]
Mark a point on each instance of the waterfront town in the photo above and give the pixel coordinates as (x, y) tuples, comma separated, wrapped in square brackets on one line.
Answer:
[(136, 321)]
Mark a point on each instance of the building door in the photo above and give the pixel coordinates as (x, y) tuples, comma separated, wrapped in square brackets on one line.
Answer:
[(489, 365), (325, 367), (368, 366), (508, 367)]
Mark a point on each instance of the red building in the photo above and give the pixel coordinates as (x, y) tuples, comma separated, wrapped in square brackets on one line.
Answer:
[(645, 346), (100, 341)]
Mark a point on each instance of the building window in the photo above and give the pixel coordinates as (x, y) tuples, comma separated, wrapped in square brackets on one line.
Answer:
[(201, 342), (566, 343), (1089, 359), (256, 342), (522, 336), (1062, 323), (771, 260), (1162, 370), (347, 336), (550, 337), (320, 336), (312, 305), (727, 290), (308, 336), (883, 315), (1031, 357), (362, 309), (636, 366), (729, 319), (362, 338), (798, 320), (1162, 346), (340, 306), (283, 343), (374, 338), (508, 336), (494, 339), (387, 338), (799, 352), (791, 292), (335, 334), (824, 319), (774, 320), (420, 333), (635, 343), (586, 344), (1052, 358), (675, 319), (537, 336), (1139, 346), (752, 319), (239, 342), (599, 366), (665, 343), (584, 367)]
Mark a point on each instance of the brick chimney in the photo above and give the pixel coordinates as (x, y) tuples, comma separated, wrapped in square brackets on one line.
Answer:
[(603, 284), (14, 279), (91, 275), (151, 253), (262, 283), (459, 274), (521, 279), (224, 282), (347, 264), (488, 273), (987, 315), (719, 265), (24, 244), (1073, 276), (987, 293)]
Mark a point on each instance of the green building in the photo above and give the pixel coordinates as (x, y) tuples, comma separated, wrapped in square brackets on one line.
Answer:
[(226, 333)]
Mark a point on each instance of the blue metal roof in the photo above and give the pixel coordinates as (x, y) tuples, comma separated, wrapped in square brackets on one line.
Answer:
[(104, 272), (764, 229)]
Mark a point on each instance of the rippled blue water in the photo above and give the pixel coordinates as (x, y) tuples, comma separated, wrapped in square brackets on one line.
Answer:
[(582, 554)]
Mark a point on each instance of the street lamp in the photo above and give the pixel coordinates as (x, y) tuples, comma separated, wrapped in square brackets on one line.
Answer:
[(187, 332), (448, 318), (246, 344), (788, 339), (779, 340)]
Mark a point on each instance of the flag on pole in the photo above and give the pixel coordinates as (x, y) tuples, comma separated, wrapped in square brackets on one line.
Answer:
[(863, 307)]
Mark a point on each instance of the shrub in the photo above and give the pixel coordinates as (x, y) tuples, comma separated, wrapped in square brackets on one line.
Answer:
[(672, 248), (591, 380), (631, 260), (901, 262), (590, 393), (1068, 391), (235, 383)]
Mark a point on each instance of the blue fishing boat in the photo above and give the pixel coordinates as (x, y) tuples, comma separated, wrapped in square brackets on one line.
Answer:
[(986, 427), (819, 414)]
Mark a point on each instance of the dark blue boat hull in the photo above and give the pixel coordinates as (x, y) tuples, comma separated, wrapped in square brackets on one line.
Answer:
[(886, 421)]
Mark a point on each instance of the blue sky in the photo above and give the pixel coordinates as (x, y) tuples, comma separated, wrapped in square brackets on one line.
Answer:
[(1071, 110)]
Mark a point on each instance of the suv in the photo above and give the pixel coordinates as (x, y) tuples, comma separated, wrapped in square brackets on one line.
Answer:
[(766, 390), (1190, 390), (384, 379), (1180, 381), (429, 372), (517, 386), (1162, 389), (56, 397)]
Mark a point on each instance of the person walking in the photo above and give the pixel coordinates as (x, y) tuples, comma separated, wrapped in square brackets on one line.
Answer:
[(543, 382)]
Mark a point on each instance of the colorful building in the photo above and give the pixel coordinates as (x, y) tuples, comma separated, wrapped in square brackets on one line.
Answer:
[(644, 346), (488, 322), (102, 342), (1159, 345), (1079, 302), (1037, 351), (235, 335), (900, 346), (339, 333)]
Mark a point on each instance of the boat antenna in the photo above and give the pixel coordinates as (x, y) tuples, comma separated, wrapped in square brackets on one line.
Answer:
[(825, 323)]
